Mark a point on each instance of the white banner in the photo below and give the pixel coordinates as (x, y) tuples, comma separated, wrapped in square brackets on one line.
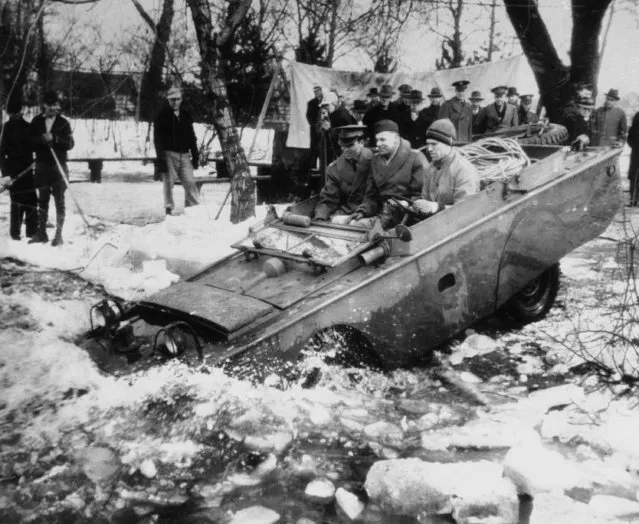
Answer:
[(353, 85)]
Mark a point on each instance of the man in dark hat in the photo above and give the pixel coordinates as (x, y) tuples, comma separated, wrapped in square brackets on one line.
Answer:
[(359, 110), (633, 170), (498, 115), (609, 126), (16, 162), (458, 111), (475, 103), (313, 117), (384, 111), (402, 104), (512, 96), (338, 116), (578, 123), (431, 113), (414, 123), (450, 177), (397, 171), (525, 113), (372, 97), (50, 134), (582, 90), (346, 177)]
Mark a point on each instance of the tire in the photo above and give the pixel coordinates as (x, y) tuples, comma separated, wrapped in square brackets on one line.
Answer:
[(554, 135), (536, 298)]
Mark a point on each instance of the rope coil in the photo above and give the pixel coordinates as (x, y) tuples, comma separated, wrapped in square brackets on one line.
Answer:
[(496, 159)]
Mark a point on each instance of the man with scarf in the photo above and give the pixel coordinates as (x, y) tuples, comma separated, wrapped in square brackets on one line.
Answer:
[(397, 171)]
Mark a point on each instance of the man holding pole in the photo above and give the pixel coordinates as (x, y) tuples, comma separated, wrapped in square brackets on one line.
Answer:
[(51, 137), (16, 162)]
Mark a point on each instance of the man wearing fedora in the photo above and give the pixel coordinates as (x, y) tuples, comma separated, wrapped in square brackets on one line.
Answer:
[(176, 145), (359, 110), (51, 137), (609, 126), (431, 113), (402, 103), (578, 121), (498, 115), (313, 107), (397, 170), (384, 111), (458, 111), (525, 113), (372, 97), (450, 177), (512, 96), (414, 122), (475, 104), (346, 177)]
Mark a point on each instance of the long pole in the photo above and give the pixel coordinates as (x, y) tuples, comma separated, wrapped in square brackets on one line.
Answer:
[(260, 120), (64, 177)]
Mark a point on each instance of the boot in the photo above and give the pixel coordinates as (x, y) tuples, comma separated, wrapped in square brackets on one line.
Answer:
[(57, 240), (59, 223), (41, 236)]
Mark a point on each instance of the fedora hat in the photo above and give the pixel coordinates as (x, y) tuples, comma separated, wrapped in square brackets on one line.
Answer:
[(50, 97), (404, 89), (415, 96), (386, 91), (612, 93), (373, 92), (360, 106), (512, 91), (476, 95), (526, 98), (348, 134), (435, 92)]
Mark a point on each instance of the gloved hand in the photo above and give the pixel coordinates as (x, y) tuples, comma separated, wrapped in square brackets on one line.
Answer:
[(580, 142), (195, 161), (358, 215), (426, 207)]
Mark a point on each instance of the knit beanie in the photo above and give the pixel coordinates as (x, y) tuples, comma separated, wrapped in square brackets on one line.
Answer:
[(442, 130), (386, 125)]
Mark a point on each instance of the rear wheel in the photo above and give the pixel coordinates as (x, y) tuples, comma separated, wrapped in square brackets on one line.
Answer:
[(536, 298)]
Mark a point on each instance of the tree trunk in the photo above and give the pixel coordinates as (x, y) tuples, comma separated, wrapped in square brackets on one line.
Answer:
[(587, 22), (554, 79), (214, 84), (552, 76), (151, 83)]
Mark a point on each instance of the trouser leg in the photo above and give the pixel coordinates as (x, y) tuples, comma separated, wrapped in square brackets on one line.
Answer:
[(15, 219), (60, 211), (30, 209), (185, 172), (168, 179), (44, 193)]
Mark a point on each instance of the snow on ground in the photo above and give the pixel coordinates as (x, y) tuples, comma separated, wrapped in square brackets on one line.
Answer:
[(54, 397)]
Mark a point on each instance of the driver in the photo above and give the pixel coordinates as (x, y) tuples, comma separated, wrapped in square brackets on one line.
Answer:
[(450, 177), (345, 177), (397, 171)]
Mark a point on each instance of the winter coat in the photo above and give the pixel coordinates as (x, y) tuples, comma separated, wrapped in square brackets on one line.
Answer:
[(575, 124), (526, 116), (490, 120), (450, 180), (16, 154), (345, 185), (608, 126), (461, 115), (62, 139), (174, 134), (402, 178), (414, 130)]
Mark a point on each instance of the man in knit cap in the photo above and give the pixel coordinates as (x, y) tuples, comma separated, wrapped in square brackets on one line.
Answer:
[(397, 171), (346, 178), (449, 178)]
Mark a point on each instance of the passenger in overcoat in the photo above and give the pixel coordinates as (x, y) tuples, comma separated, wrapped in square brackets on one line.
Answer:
[(459, 112)]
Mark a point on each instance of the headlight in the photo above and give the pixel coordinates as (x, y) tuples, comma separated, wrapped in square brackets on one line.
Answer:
[(105, 314), (171, 340)]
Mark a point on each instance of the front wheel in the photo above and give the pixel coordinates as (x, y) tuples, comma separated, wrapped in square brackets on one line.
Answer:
[(533, 301)]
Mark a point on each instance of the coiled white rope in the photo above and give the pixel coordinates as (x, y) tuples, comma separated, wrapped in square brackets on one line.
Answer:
[(496, 159)]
